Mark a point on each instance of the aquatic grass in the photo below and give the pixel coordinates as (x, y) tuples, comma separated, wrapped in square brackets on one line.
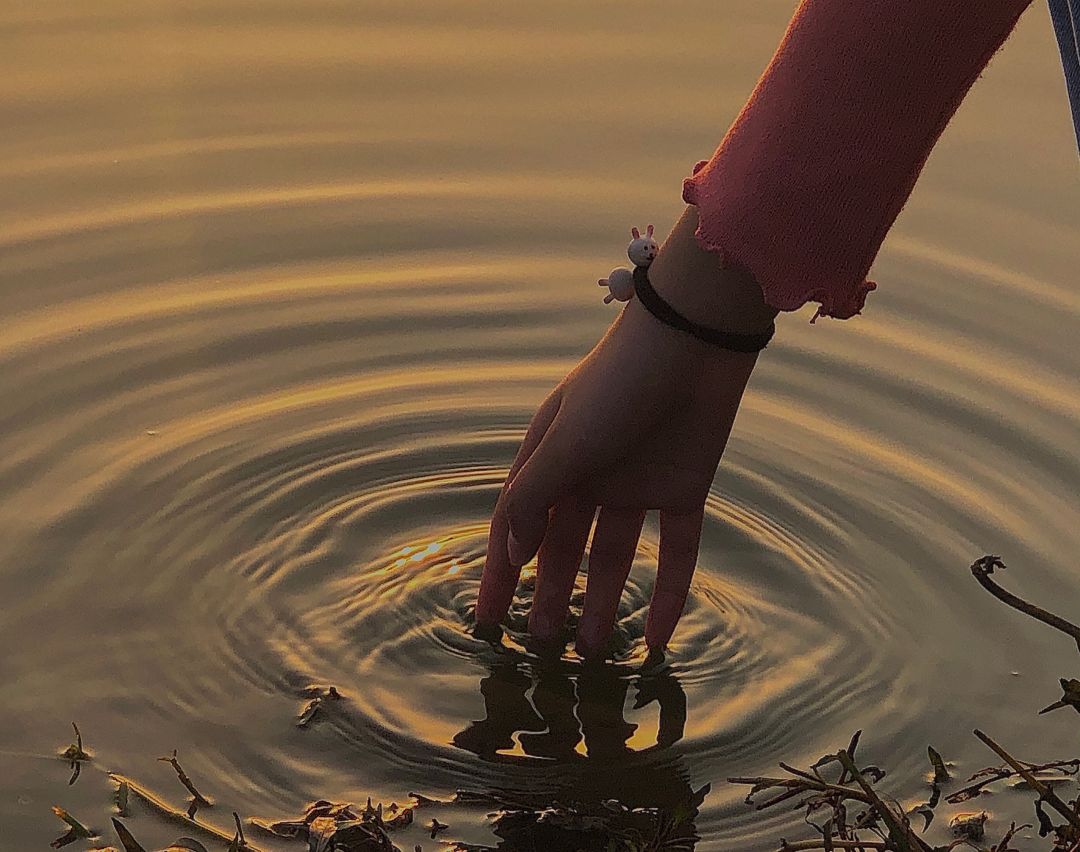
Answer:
[(853, 814)]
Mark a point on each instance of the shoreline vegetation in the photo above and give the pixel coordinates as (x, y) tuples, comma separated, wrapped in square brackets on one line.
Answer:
[(845, 805)]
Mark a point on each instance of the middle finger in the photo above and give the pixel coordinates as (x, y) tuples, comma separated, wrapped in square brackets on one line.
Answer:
[(558, 563), (610, 558)]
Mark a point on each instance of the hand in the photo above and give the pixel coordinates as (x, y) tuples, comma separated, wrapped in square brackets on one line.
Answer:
[(640, 423)]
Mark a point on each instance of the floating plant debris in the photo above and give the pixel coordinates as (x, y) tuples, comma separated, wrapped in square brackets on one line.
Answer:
[(308, 713), (75, 755), (421, 801), (318, 695), (337, 827), (76, 830), (1070, 696), (1051, 773), (198, 800), (941, 774), (129, 842), (848, 811), (122, 791), (969, 826), (181, 844), (401, 819), (75, 750), (436, 827), (160, 806)]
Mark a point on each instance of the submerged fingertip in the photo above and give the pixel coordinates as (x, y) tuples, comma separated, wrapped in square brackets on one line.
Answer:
[(488, 632), (585, 649)]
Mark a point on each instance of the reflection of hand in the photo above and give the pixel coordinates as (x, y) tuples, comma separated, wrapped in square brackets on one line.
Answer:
[(563, 715), (664, 689), (639, 424), (508, 712)]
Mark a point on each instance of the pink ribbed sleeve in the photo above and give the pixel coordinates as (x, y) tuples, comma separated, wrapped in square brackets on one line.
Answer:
[(815, 169)]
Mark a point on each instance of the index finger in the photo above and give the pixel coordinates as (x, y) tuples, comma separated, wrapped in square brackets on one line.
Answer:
[(499, 580)]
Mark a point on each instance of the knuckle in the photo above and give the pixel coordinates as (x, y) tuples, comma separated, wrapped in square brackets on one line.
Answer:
[(517, 499)]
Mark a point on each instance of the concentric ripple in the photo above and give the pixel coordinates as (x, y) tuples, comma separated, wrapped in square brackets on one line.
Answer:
[(283, 286)]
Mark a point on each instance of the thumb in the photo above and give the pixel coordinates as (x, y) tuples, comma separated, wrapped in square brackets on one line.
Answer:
[(542, 481)]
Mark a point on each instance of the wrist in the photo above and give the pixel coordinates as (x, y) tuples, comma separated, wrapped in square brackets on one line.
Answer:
[(698, 286)]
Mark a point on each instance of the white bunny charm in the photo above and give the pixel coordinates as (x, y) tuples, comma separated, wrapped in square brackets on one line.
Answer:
[(620, 281)]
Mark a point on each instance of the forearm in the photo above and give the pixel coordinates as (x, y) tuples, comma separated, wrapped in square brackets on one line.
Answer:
[(811, 175)]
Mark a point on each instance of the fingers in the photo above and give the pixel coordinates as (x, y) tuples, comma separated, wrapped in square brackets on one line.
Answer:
[(610, 557), (546, 476), (559, 561), (680, 535), (538, 426), (500, 576), (499, 579)]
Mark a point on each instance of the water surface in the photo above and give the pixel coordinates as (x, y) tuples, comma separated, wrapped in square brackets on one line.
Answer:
[(284, 283)]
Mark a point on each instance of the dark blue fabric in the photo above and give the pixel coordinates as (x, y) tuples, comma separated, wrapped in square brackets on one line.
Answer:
[(1066, 17)]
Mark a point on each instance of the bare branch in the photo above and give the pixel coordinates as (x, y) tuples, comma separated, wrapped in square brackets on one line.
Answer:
[(1044, 791), (983, 567)]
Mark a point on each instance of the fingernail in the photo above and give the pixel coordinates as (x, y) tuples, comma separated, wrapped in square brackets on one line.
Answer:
[(515, 551)]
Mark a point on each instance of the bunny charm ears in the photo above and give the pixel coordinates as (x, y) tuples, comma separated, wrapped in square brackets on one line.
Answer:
[(620, 281), (623, 284)]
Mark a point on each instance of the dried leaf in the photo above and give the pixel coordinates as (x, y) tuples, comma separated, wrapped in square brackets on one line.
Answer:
[(65, 839), (129, 842), (285, 828), (941, 774), (401, 819), (875, 773), (926, 812), (436, 827), (76, 826), (1070, 696), (308, 713), (969, 826), (423, 801), (122, 792)]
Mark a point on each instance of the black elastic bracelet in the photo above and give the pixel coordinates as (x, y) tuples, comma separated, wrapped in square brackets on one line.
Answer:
[(660, 309)]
